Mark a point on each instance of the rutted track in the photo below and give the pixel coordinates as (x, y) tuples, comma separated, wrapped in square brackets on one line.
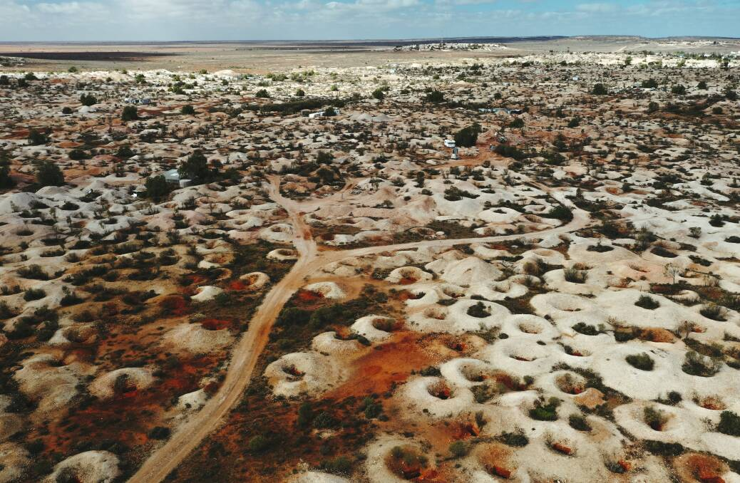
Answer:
[(247, 351)]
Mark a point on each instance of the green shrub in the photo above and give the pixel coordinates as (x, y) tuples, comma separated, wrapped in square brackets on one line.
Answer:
[(586, 329), (697, 365), (599, 90), (578, 422), (258, 444), (130, 113), (37, 138), (157, 187), (467, 137), (33, 294), (560, 212), (714, 312), (339, 466), (641, 361), (458, 449), (6, 181), (729, 423), (545, 412), (575, 276), (88, 100), (663, 449), (187, 110), (647, 302), (49, 174), (435, 96), (516, 439), (479, 310)]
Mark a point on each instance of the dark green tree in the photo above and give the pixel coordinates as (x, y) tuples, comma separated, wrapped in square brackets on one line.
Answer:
[(195, 168), (599, 90), (467, 137), (5, 180), (88, 100), (435, 96), (49, 174), (37, 138), (157, 187), (130, 113)]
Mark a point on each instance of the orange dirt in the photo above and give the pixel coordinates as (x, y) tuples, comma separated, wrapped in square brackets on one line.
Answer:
[(390, 363)]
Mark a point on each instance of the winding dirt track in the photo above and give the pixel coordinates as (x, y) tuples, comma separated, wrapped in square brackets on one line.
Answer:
[(247, 351)]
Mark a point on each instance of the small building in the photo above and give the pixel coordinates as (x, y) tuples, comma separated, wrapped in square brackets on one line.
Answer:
[(172, 176)]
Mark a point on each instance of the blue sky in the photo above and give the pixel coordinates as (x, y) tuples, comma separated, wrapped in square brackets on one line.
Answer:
[(163, 20)]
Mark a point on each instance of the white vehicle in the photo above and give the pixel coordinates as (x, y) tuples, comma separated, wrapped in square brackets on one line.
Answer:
[(449, 143)]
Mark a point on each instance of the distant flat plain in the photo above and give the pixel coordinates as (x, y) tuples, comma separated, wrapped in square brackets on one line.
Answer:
[(275, 56)]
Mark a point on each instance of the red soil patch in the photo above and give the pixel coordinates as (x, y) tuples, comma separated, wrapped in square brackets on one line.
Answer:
[(308, 296), (390, 363), (407, 281), (561, 448), (500, 471), (174, 306), (699, 467), (405, 295), (657, 335), (238, 285)]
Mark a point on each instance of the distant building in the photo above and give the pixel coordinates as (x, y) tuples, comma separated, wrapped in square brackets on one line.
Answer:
[(172, 176)]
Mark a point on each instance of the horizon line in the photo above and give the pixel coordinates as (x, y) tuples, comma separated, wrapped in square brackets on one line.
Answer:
[(509, 38)]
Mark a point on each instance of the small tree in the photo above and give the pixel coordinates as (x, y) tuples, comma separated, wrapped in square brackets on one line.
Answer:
[(5, 180), (195, 168), (88, 100), (679, 90), (262, 94), (130, 113), (4, 80), (702, 85), (157, 187), (379, 94), (37, 138), (49, 174), (600, 90), (650, 84), (435, 96), (458, 449), (468, 136), (300, 93), (187, 110)]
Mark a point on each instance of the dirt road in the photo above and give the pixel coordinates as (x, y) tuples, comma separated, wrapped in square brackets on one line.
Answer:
[(247, 351)]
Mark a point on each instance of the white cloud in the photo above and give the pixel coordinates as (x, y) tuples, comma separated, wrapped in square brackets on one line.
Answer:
[(597, 7)]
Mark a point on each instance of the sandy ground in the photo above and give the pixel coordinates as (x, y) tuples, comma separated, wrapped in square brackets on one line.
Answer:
[(261, 57)]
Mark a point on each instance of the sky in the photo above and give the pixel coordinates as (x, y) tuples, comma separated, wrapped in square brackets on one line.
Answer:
[(173, 20)]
